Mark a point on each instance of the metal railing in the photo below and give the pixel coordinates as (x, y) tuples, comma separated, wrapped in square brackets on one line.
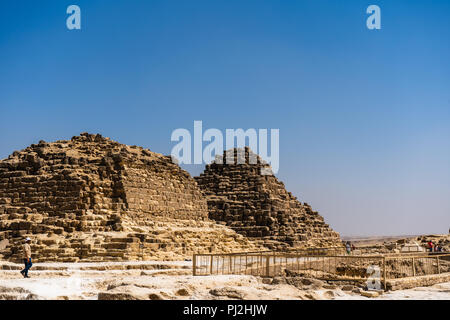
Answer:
[(403, 266), (275, 264), (324, 266)]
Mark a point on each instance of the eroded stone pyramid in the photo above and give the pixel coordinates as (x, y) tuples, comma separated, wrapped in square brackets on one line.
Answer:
[(258, 206), (91, 198)]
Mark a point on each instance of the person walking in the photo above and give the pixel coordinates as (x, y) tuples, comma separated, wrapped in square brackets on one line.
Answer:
[(26, 258)]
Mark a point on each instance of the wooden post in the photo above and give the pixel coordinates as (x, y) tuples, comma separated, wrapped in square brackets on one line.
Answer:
[(384, 273), (240, 264), (267, 266), (211, 265), (223, 264), (438, 265), (414, 266), (194, 265), (323, 265), (262, 265), (246, 263)]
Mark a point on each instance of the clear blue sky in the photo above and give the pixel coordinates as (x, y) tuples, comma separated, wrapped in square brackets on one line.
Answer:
[(364, 116)]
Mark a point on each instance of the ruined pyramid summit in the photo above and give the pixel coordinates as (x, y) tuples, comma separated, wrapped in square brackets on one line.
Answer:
[(242, 193), (91, 198)]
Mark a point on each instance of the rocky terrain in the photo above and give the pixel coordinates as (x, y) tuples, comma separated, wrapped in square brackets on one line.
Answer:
[(155, 280)]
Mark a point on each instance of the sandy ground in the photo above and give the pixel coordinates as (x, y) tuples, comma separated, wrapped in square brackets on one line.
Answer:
[(437, 292), (166, 280)]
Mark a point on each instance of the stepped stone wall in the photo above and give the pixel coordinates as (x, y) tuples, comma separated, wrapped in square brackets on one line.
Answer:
[(258, 206), (94, 173), (94, 198)]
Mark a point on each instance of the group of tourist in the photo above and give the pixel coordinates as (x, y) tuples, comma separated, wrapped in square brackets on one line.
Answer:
[(431, 247), (349, 247)]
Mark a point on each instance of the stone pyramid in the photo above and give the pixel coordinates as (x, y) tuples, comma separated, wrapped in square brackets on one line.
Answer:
[(243, 193), (91, 198)]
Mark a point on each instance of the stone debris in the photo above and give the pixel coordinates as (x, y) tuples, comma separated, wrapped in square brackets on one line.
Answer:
[(258, 206), (227, 292), (369, 294), (182, 292), (130, 292), (16, 293), (305, 283), (420, 281), (348, 288)]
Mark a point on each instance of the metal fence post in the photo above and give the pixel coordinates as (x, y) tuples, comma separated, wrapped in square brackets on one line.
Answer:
[(438, 265), (194, 265), (384, 273), (414, 266), (211, 265), (246, 263)]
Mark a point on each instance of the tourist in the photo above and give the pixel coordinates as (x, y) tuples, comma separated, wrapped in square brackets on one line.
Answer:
[(26, 257), (348, 247), (430, 246)]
